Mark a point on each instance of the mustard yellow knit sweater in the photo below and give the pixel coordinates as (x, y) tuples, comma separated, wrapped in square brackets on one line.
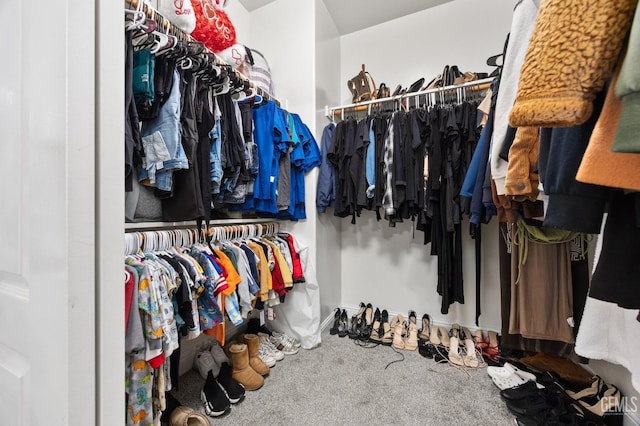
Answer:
[(572, 52)]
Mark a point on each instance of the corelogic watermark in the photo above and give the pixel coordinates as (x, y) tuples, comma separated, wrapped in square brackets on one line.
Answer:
[(616, 405)]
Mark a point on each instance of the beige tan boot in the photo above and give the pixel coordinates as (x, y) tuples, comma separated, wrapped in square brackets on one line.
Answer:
[(242, 371), (253, 343)]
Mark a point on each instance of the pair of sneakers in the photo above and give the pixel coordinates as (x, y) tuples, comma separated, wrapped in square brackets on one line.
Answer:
[(283, 342), (268, 352)]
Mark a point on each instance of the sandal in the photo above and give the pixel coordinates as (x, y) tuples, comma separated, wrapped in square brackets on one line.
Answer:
[(411, 342), (433, 336), (424, 333), (492, 351), (454, 353), (481, 343), (398, 333), (375, 330), (455, 330), (470, 358), (387, 336), (444, 337)]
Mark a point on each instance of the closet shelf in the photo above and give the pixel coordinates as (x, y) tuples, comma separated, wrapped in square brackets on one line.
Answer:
[(476, 85)]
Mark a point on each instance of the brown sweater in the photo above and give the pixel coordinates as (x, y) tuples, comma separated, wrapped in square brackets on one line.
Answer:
[(572, 52), (600, 165)]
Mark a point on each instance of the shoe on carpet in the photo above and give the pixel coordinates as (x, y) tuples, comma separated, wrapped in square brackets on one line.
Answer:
[(233, 389), (542, 400), (509, 376), (343, 326), (522, 391), (273, 351), (294, 342), (425, 330), (566, 369), (386, 335), (218, 354), (264, 353), (185, 416), (283, 344), (214, 398), (336, 322), (204, 363), (399, 331), (253, 345), (242, 371)]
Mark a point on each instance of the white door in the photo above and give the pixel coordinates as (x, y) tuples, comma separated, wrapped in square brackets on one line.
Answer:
[(51, 359)]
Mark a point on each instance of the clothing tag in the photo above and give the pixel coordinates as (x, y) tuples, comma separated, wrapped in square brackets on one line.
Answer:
[(571, 322), (271, 315), (160, 165), (261, 317), (272, 179)]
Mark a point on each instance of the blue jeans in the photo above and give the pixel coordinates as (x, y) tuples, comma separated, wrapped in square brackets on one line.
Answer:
[(167, 124)]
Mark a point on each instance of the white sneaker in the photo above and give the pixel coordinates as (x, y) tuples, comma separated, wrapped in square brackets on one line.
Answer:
[(283, 344), (294, 342), (265, 341), (265, 355), (204, 363)]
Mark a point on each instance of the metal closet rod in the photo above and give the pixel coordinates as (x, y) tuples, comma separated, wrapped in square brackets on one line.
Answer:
[(482, 84), (169, 27), (164, 239), (158, 226)]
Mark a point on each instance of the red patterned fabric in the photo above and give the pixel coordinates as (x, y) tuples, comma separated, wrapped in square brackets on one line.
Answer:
[(213, 26)]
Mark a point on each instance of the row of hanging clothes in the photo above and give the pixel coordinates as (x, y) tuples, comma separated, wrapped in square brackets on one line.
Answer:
[(179, 285), (406, 159), (200, 141)]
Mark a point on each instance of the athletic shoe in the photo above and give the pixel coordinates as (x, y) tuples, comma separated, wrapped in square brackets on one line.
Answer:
[(215, 400), (266, 342), (283, 344), (265, 355), (293, 341)]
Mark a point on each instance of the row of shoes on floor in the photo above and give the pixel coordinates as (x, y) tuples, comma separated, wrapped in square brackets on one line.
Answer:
[(458, 345), (241, 366), (542, 398)]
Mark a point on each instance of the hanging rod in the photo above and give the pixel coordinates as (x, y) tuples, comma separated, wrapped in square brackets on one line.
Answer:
[(165, 239), (168, 26), (152, 226), (482, 84)]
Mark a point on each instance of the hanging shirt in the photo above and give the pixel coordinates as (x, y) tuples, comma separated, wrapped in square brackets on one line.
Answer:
[(271, 138)]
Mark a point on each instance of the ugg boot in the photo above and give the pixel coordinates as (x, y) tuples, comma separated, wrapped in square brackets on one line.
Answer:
[(253, 343), (242, 371), (184, 416)]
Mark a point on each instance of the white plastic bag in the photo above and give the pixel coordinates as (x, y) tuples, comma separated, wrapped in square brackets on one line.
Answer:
[(180, 13), (299, 315)]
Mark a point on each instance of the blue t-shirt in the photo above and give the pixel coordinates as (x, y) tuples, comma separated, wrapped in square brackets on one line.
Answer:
[(305, 161), (272, 139)]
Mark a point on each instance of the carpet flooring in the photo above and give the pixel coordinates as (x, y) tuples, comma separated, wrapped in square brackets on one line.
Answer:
[(341, 383)]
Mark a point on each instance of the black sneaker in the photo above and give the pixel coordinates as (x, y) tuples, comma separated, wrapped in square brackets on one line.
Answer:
[(233, 389), (519, 392), (542, 400), (215, 400)]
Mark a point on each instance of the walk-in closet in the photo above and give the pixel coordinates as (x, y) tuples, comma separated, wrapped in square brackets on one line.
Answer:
[(329, 212)]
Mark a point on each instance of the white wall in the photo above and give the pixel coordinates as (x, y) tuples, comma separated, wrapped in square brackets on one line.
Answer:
[(328, 227), (462, 32), (387, 266)]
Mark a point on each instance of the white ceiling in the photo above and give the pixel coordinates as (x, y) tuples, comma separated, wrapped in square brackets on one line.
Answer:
[(354, 15), (252, 5)]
